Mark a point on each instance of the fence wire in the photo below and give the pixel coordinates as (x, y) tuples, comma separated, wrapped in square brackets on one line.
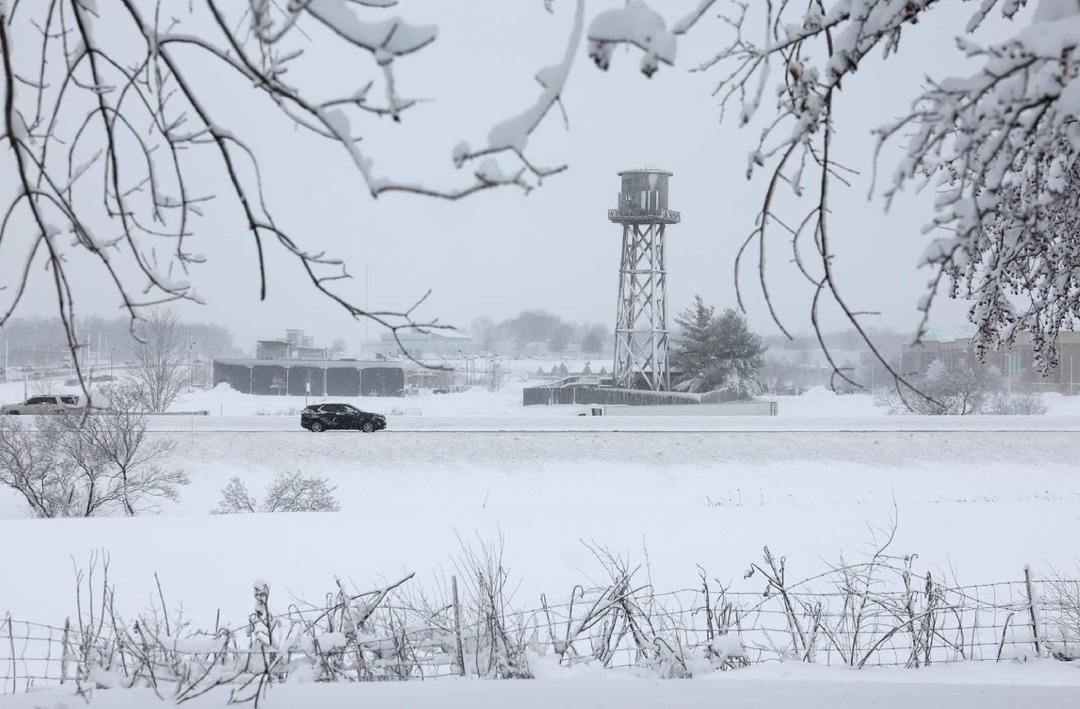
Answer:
[(674, 634)]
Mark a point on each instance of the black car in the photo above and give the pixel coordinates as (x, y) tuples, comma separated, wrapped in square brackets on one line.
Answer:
[(324, 417)]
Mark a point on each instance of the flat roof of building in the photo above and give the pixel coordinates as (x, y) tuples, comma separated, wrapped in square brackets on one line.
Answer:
[(647, 171), (317, 363)]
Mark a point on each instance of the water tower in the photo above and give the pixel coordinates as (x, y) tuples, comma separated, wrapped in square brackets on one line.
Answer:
[(641, 326)]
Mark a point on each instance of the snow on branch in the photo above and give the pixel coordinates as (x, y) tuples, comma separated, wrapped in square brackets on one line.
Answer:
[(512, 135), (639, 25), (1001, 148)]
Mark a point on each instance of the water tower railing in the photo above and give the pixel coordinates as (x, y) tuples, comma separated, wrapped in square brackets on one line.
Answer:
[(668, 216)]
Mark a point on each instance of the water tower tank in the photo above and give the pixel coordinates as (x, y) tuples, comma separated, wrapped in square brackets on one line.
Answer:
[(644, 197)]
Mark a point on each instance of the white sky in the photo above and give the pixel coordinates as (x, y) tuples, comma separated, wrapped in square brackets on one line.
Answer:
[(499, 252)]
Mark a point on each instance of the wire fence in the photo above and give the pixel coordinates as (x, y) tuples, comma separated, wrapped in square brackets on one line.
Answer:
[(389, 635)]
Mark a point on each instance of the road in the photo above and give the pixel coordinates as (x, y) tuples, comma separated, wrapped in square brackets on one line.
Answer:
[(632, 423)]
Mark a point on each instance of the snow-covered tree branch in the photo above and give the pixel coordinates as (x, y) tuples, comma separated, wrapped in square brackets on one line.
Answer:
[(999, 146), (111, 129)]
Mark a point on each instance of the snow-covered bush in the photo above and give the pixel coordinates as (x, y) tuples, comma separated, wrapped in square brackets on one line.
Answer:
[(289, 492), (959, 391), (1016, 404), (1064, 602), (499, 648), (943, 391)]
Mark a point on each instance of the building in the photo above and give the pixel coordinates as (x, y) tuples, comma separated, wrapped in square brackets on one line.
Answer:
[(1016, 363), (296, 345), (300, 377), (433, 343)]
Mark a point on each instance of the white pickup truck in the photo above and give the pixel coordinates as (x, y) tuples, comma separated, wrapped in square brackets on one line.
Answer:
[(42, 405)]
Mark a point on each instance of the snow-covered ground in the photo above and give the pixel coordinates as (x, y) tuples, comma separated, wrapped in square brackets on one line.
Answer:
[(1046, 685), (980, 503), (976, 503)]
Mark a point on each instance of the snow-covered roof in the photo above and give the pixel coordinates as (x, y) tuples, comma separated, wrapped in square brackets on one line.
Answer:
[(316, 363)]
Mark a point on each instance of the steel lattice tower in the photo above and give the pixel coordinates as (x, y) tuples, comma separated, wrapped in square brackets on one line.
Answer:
[(641, 326)]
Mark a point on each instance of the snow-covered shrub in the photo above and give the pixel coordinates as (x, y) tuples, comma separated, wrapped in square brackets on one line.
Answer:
[(289, 492), (235, 498), (292, 492), (1064, 598), (1015, 404), (499, 643), (942, 391)]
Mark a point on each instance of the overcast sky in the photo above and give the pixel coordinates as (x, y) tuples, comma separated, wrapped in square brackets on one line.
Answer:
[(499, 252)]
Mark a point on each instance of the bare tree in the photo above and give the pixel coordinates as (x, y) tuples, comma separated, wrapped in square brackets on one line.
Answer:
[(82, 466), (107, 112), (118, 433), (159, 372), (29, 466)]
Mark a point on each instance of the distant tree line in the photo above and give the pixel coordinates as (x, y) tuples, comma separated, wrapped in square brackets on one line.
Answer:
[(539, 326), (887, 340), (39, 340)]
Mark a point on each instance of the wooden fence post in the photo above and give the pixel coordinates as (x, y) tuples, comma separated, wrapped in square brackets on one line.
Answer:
[(14, 664), (1032, 611), (457, 627), (65, 650)]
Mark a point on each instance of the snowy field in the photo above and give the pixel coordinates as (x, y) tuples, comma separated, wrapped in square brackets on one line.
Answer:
[(976, 498), (981, 504), (1047, 685)]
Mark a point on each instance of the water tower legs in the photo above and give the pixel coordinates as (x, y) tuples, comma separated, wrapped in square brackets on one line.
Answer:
[(641, 330)]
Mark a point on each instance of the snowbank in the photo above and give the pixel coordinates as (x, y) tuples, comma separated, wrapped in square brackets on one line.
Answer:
[(987, 686)]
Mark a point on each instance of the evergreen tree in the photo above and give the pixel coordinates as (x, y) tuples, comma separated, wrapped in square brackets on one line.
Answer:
[(716, 351), (740, 353), (694, 347)]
